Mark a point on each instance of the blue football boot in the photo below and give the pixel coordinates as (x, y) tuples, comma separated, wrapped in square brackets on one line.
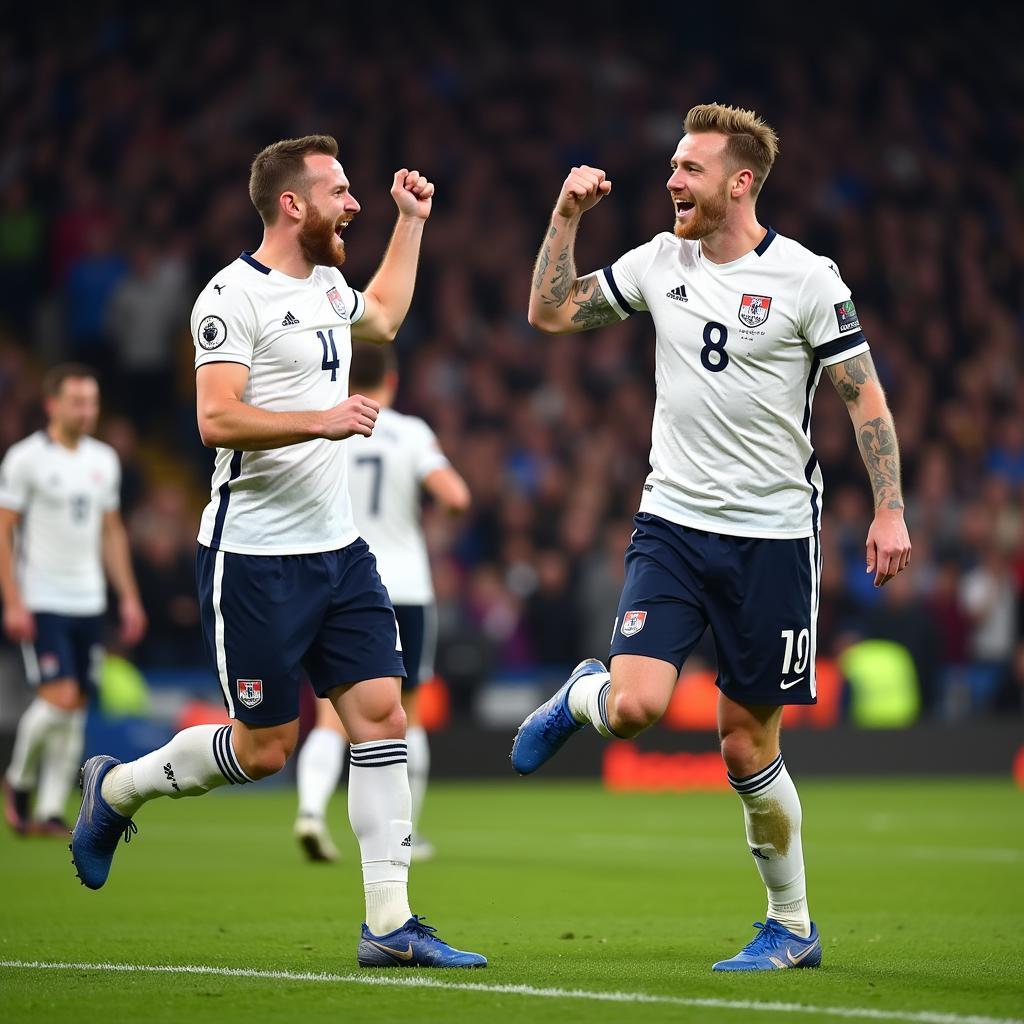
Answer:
[(99, 827), (415, 944), (545, 731), (775, 948)]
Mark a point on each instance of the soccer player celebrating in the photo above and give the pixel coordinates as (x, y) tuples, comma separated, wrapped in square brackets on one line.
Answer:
[(285, 583), (388, 472), (60, 492), (727, 532)]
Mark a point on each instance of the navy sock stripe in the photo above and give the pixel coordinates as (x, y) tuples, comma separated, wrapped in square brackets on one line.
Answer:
[(367, 748), (229, 750), (602, 709), (225, 757), (752, 784), (380, 764)]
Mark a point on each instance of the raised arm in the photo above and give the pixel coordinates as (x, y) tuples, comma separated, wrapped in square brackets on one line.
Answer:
[(225, 421), (389, 293), (561, 303), (888, 543)]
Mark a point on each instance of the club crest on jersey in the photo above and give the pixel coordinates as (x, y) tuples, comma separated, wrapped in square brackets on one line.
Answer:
[(632, 623), (336, 301), (754, 309), (212, 333), (250, 692)]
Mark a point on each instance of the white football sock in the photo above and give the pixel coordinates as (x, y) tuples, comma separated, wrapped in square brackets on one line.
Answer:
[(419, 769), (380, 811), (772, 815), (588, 701), (34, 727), (195, 761), (318, 769), (61, 760)]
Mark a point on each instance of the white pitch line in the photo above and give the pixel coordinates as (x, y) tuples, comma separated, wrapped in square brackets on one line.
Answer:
[(404, 981)]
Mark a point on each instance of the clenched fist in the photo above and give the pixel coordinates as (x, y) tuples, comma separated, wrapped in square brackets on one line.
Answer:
[(583, 188), (356, 415)]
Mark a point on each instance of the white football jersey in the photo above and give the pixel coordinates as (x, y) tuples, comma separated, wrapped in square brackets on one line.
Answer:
[(740, 349), (62, 494), (386, 471), (294, 335)]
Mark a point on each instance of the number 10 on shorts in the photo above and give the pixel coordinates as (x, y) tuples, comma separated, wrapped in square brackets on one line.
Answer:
[(798, 643)]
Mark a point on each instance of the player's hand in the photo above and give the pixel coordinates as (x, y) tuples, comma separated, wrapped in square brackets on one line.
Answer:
[(356, 415), (19, 624), (888, 546), (413, 194), (133, 621), (585, 187)]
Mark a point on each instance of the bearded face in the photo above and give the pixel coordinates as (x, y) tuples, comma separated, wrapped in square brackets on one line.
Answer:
[(698, 216), (320, 238)]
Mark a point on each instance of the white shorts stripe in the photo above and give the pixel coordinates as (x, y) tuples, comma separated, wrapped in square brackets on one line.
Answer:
[(218, 632), (28, 654), (814, 555)]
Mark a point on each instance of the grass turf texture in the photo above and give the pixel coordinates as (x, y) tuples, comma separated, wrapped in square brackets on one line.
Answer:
[(917, 887)]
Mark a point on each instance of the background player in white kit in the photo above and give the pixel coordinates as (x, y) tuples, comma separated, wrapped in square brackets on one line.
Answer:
[(388, 473), (60, 494), (727, 533), (286, 586)]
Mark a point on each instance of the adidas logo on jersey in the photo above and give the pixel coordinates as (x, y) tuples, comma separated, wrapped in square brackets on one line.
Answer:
[(289, 320), (678, 293)]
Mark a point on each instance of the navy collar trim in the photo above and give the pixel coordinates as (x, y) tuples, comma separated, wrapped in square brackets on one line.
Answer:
[(246, 257), (762, 248)]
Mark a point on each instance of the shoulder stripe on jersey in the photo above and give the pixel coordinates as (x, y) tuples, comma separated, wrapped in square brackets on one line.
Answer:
[(619, 297), (225, 495), (762, 247), (246, 257), (833, 348)]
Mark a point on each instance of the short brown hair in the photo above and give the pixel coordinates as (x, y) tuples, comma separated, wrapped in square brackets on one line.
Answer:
[(54, 379), (370, 365), (752, 142), (281, 167)]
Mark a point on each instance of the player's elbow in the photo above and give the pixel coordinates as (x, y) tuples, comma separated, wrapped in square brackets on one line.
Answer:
[(541, 320), (211, 429)]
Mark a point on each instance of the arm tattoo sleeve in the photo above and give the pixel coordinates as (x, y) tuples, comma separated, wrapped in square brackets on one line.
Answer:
[(877, 441), (562, 279), (848, 377), (592, 308)]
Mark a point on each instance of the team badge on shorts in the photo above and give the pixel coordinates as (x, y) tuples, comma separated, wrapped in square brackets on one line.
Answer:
[(632, 623), (336, 301), (754, 309), (250, 692)]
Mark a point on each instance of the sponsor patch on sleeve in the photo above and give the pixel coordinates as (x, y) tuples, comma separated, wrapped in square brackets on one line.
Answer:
[(846, 314), (212, 333)]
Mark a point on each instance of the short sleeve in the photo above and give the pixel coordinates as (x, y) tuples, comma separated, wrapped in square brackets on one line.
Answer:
[(223, 325), (622, 282), (15, 479), (351, 298), (828, 317), (427, 455), (110, 499)]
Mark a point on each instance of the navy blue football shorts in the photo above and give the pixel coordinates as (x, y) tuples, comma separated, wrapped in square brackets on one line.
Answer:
[(417, 627), (759, 596), (267, 619), (65, 647)]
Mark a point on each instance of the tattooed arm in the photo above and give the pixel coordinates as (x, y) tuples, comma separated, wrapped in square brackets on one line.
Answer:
[(560, 302), (888, 544)]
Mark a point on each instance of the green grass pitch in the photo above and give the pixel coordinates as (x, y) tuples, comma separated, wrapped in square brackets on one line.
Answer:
[(917, 887)]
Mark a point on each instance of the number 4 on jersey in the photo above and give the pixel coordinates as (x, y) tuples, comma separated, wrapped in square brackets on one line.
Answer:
[(334, 362)]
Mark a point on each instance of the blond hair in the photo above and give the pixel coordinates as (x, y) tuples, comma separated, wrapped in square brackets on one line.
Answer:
[(281, 167), (752, 142)]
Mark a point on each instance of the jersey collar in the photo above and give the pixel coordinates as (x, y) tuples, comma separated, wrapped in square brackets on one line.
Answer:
[(247, 257)]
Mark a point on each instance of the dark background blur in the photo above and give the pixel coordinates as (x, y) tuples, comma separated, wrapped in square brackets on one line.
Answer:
[(126, 141)]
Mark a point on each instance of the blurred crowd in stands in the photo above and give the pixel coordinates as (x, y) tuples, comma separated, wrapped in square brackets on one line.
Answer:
[(124, 154)]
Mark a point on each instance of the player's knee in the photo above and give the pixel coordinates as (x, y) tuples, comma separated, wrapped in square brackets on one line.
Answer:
[(743, 752), (266, 758), (631, 712), (63, 694)]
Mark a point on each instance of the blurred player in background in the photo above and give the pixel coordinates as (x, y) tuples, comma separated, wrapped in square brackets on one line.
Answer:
[(388, 473), (59, 527), (286, 587), (727, 532)]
